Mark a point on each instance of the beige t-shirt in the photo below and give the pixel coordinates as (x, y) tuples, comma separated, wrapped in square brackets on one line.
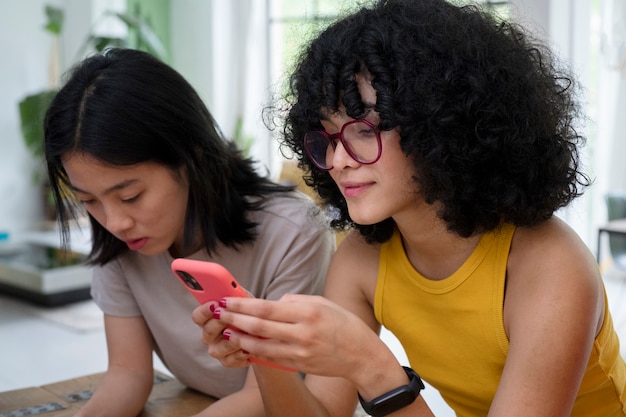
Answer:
[(290, 255)]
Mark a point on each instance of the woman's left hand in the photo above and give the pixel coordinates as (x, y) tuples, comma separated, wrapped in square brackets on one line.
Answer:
[(215, 336)]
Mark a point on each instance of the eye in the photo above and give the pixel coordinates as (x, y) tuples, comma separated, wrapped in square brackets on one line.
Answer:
[(131, 199), (366, 131), (84, 199)]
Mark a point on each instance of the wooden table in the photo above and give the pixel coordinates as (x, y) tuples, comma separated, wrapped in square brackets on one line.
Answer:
[(169, 398)]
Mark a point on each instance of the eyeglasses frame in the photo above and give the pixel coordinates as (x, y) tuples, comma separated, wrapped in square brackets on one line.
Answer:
[(336, 137)]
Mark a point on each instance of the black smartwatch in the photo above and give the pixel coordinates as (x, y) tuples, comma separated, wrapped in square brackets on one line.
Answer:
[(396, 399)]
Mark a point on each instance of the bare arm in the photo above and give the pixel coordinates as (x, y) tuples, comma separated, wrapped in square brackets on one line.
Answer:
[(126, 385), (332, 340), (554, 308), (246, 402)]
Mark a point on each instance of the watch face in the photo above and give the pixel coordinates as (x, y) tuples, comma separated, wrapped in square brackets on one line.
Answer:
[(393, 402), (396, 399)]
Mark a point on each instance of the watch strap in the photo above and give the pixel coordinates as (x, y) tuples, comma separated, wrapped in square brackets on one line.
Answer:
[(395, 399)]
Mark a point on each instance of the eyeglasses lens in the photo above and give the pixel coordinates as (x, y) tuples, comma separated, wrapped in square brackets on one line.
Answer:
[(359, 139), (319, 149)]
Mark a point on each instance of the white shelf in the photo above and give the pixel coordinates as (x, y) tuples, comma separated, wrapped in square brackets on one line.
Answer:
[(80, 239), (24, 270)]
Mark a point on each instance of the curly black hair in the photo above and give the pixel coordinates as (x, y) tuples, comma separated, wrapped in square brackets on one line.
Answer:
[(485, 111)]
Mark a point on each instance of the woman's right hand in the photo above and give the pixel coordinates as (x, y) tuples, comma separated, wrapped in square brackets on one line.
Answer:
[(308, 333)]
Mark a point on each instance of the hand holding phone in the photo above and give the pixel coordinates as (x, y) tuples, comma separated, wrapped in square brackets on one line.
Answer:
[(210, 281)]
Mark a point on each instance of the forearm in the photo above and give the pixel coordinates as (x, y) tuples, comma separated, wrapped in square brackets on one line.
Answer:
[(119, 394), (286, 394), (244, 403)]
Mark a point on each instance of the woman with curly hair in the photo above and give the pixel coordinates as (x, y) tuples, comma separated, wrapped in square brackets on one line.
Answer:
[(446, 139)]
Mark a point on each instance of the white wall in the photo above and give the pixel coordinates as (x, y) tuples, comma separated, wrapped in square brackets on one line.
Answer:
[(24, 50)]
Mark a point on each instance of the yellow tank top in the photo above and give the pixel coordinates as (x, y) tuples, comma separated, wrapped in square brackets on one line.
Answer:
[(453, 330)]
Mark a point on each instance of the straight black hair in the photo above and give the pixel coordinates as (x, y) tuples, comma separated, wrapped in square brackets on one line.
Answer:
[(125, 107)]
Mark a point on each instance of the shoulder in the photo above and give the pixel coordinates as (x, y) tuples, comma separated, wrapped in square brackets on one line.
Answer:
[(551, 244), (352, 276), (292, 209), (293, 241), (354, 249), (291, 221), (550, 269)]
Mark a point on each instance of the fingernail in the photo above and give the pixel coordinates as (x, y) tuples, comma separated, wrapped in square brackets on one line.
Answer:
[(245, 352), (222, 303), (216, 313), (226, 334), (212, 307)]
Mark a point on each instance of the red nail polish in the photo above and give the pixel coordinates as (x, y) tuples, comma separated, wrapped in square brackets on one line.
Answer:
[(212, 307), (222, 303), (245, 352), (216, 313), (226, 334)]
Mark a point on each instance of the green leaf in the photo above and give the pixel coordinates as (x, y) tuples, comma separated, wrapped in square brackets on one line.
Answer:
[(55, 20), (32, 112)]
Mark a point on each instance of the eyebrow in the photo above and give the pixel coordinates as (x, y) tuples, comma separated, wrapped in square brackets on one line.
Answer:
[(109, 190)]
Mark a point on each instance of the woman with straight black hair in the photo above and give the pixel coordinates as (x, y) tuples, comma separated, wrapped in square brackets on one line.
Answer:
[(130, 140)]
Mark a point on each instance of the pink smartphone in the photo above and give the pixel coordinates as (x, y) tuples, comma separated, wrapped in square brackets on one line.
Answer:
[(210, 281), (207, 281)]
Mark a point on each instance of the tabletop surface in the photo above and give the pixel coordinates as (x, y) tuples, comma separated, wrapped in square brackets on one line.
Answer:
[(169, 398)]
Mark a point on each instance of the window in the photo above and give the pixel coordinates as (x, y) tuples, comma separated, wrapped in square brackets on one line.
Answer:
[(294, 22)]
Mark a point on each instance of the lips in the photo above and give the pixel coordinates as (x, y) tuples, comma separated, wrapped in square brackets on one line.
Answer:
[(136, 244), (355, 189)]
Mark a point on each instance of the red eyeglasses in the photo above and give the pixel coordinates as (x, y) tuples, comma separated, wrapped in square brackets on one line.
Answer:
[(359, 137)]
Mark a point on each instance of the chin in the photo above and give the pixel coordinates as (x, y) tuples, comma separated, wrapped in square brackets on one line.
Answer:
[(151, 250), (365, 219)]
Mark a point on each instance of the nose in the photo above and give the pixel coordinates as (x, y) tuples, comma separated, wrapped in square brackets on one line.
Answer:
[(341, 157), (117, 220)]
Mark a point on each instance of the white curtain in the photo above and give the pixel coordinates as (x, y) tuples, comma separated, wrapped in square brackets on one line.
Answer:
[(612, 115), (240, 72), (220, 47)]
